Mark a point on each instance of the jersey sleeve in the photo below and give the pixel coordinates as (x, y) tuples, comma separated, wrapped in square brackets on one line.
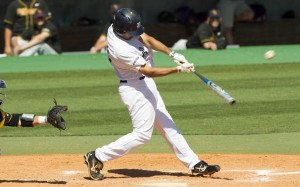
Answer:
[(132, 61), (50, 28), (10, 16)]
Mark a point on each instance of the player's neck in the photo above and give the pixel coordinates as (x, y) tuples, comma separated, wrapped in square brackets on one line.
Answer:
[(125, 36)]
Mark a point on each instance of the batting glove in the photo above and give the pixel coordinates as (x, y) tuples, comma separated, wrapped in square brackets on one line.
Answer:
[(178, 57), (184, 65), (186, 69)]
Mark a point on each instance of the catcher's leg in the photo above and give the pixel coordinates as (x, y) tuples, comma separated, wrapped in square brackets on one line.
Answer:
[(94, 165)]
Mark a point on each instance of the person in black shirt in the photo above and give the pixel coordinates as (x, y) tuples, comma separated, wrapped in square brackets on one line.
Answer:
[(42, 39), (208, 35), (19, 18)]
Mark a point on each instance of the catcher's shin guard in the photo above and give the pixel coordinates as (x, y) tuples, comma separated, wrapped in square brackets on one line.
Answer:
[(94, 165), (202, 168)]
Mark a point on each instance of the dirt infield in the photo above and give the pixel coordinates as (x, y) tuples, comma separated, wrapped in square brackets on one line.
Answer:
[(150, 170)]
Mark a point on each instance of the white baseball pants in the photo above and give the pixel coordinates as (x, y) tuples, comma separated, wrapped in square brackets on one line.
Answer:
[(147, 111)]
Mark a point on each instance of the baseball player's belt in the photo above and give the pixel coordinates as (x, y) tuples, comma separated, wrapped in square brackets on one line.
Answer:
[(125, 81)]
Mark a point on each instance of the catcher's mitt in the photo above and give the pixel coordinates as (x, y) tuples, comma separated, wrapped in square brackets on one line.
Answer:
[(54, 116)]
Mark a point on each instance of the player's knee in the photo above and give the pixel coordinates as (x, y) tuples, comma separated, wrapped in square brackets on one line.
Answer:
[(143, 137)]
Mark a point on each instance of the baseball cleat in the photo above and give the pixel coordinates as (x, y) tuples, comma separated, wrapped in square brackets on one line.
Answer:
[(202, 168), (94, 165)]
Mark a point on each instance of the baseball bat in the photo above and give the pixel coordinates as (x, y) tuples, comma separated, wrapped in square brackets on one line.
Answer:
[(217, 89)]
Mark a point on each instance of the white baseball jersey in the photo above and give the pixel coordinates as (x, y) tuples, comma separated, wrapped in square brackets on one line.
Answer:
[(143, 101), (127, 62)]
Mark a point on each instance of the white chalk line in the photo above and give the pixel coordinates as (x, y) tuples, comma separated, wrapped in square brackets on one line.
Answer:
[(264, 172), (263, 175), (72, 172)]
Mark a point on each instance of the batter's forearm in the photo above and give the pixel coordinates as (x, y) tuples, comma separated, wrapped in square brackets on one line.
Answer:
[(155, 44), (158, 72), (158, 46)]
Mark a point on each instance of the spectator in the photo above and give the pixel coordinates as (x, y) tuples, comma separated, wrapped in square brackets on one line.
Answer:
[(19, 18), (42, 39), (208, 35), (101, 43), (231, 11)]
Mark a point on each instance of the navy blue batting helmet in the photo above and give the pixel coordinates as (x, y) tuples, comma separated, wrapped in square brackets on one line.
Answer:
[(128, 21)]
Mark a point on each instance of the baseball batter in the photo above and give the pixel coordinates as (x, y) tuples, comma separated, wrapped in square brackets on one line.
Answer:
[(130, 52)]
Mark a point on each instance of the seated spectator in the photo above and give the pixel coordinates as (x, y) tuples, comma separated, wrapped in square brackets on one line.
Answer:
[(101, 43), (18, 18), (231, 11), (208, 35), (42, 39)]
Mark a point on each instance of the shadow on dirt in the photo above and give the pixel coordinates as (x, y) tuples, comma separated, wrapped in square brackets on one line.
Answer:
[(151, 173), (145, 173)]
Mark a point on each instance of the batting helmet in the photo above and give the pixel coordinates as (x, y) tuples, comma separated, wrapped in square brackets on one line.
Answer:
[(2, 95), (128, 21)]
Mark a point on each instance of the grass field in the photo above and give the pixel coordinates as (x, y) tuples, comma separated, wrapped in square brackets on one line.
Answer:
[(267, 97)]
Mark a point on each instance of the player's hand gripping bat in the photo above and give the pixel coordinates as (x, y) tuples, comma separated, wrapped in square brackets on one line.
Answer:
[(217, 89)]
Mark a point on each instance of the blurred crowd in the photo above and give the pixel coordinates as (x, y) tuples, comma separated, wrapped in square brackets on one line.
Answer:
[(29, 30)]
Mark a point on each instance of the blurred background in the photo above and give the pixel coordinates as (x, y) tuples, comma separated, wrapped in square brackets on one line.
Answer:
[(80, 22)]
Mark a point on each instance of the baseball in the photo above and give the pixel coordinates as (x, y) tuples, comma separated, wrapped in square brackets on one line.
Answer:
[(269, 54)]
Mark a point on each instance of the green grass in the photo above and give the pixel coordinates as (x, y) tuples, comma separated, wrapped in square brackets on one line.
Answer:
[(265, 119), (280, 143), (267, 101)]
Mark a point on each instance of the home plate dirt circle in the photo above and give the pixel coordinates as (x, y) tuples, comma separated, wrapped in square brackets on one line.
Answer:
[(157, 170)]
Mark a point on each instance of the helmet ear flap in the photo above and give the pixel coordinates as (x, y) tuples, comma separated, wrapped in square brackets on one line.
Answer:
[(118, 29)]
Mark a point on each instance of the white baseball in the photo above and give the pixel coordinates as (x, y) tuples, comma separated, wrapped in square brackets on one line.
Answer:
[(269, 54)]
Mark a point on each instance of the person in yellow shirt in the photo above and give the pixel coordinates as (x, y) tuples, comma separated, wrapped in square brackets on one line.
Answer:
[(19, 18)]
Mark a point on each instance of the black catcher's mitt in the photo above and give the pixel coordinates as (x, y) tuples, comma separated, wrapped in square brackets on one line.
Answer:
[(54, 116)]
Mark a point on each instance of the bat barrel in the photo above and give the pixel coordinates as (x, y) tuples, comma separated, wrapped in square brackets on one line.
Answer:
[(222, 93), (232, 102), (217, 89)]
